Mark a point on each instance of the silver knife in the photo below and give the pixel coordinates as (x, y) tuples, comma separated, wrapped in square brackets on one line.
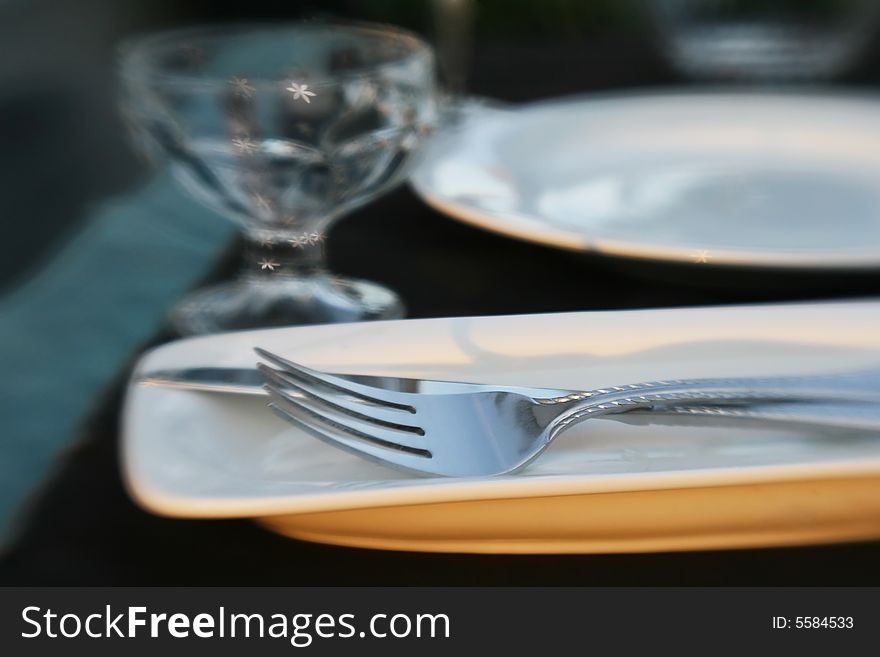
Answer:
[(859, 416), (248, 381)]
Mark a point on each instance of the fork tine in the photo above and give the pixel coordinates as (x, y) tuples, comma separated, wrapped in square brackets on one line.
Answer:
[(391, 418), (376, 455), (387, 457), (390, 439), (337, 385), (398, 461)]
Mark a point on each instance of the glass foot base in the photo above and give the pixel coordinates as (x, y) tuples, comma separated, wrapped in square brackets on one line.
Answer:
[(283, 301)]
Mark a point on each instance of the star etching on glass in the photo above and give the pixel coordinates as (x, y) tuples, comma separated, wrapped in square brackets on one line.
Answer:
[(244, 145), (300, 92), (265, 264), (306, 239), (242, 87)]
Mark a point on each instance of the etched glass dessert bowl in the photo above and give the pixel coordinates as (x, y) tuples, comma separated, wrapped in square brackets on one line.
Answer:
[(284, 130)]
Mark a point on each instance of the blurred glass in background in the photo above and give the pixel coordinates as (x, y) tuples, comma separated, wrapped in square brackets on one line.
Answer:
[(765, 40)]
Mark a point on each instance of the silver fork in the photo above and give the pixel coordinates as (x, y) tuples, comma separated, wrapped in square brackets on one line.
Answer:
[(490, 432)]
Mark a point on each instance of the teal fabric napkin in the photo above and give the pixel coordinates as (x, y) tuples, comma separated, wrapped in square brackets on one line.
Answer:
[(65, 333)]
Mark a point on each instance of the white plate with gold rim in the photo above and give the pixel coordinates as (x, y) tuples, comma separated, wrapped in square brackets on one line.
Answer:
[(602, 487), (749, 179)]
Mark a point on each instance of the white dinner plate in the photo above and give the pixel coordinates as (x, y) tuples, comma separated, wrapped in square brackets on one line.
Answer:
[(745, 179), (602, 487)]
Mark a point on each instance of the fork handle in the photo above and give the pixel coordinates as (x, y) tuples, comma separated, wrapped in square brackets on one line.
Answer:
[(850, 387), (796, 415)]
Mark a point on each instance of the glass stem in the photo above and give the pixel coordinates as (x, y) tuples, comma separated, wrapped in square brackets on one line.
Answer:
[(301, 256)]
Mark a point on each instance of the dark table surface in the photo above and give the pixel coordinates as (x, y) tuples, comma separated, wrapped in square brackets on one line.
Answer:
[(83, 529)]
